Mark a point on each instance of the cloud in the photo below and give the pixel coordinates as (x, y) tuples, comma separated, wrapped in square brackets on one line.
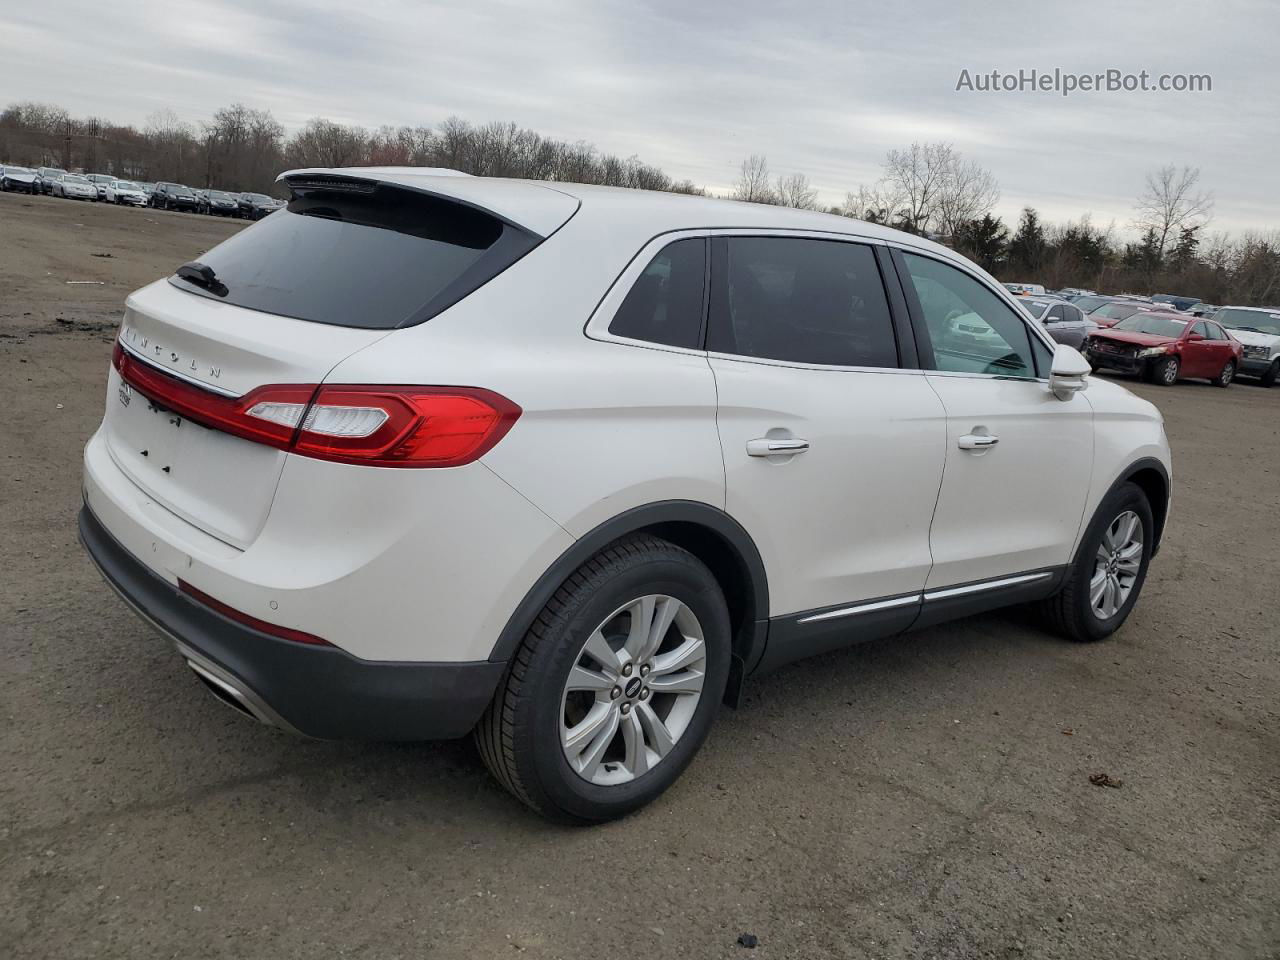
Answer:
[(824, 88)]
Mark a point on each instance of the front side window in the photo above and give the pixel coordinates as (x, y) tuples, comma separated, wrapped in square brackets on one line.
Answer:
[(1055, 315), (665, 303), (801, 301), (971, 329)]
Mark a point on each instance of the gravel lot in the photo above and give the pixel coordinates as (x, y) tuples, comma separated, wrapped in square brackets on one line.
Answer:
[(925, 797)]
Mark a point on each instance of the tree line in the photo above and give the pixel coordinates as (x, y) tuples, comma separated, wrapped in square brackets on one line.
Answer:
[(245, 149), (929, 189)]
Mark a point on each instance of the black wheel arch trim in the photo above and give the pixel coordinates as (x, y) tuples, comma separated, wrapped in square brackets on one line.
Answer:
[(1159, 511), (751, 629)]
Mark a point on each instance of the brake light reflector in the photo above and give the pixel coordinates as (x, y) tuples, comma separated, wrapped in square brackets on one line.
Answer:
[(373, 425), (231, 613)]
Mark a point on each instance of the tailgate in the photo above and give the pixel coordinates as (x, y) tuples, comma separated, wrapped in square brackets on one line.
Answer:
[(221, 483)]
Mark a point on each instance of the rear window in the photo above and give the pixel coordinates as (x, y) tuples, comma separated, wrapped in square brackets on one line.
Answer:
[(376, 258)]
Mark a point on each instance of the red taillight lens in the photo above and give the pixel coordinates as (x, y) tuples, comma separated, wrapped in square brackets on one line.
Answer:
[(267, 415), (384, 426), (231, 613), (404, 426)]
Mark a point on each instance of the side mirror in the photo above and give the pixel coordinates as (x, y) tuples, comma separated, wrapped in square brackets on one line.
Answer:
[(1070, 372), (1193, 337)]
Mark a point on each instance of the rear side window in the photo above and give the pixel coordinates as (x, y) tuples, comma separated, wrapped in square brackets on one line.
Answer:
[(800, 300), (665, 304), (373, 257)]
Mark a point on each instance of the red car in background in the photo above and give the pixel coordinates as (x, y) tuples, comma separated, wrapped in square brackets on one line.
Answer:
[(1166, 346), (1110, 313)]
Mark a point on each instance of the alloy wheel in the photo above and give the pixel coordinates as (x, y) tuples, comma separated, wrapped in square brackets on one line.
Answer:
[(1116, 565), (632, 690)]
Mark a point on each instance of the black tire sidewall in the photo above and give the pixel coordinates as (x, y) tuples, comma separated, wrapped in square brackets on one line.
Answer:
[(1125, 497), (537, 741), (1223, 380)]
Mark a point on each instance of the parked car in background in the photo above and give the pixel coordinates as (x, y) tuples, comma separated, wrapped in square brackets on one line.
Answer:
[(147, 187), (46, 177), (1113, 311), (127, 193), (1025, 289), (650, 505), (1090, 301), (1203, 309), (221, 203), (1164, 347), (1178, 303), (174, 196), (101, 181), (255, 206), (1258, 330), (73, 186), (19, 179), (1064, 321)]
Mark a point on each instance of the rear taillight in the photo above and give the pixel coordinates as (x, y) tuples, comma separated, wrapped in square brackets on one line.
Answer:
[(262, 626), (374, 425)]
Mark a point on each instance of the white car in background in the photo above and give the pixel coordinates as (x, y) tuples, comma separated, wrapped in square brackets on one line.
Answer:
[(1064, 321), (1258, 328), (127, 193), (103, 182), (420, 455), (73, 186)]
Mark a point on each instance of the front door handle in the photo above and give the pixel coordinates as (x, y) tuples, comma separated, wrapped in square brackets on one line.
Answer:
[(977, 441), (779, 447)]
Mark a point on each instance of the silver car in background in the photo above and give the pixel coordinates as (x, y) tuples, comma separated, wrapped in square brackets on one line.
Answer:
[(1063, 321)]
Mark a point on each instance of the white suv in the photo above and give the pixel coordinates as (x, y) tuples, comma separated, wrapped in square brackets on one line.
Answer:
[(424, 454), (1258, 328)]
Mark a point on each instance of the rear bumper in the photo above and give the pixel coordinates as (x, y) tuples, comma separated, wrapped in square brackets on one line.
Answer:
[(321, 692)]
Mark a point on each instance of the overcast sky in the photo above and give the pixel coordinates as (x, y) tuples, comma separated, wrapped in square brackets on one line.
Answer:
[(820, 88)]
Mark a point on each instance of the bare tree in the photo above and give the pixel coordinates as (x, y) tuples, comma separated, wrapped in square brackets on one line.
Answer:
[(917, 175), (1171, 202), (967, 191), (753, 181), (795, 191)]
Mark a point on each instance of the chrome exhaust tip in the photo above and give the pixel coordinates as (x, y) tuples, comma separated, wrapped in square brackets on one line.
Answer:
[(230, 690)]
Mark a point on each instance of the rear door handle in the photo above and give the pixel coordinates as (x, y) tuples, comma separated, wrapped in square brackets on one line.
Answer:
[(780, 447), (977, 441)]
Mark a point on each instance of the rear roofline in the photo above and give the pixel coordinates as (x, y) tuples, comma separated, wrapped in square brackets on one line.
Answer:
[(533, 207)]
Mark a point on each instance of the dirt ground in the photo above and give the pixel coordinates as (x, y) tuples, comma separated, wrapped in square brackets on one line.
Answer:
[(926, 797)]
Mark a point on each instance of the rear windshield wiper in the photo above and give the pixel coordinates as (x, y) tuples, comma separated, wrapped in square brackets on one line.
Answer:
[(202, 275)]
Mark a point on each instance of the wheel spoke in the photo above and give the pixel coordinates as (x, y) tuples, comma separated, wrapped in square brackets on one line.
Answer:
[(641, 623), (577, 738), (1097, 586), (659, 736), (580, 678), (689, 652), (636, 756), (686, 681), (593, 752), (1130, 524), (599, 650)]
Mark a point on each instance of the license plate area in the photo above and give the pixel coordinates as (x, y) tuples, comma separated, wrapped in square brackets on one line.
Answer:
[(222, 484)]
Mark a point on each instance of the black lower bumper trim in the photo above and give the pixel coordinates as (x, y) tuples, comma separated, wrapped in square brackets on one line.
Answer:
[(319, 691)]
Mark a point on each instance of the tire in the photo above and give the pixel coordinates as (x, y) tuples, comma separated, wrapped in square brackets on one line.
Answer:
[(522, 735), (1071, 612), (1226, 376), (1273, 373), (1164, 372)]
